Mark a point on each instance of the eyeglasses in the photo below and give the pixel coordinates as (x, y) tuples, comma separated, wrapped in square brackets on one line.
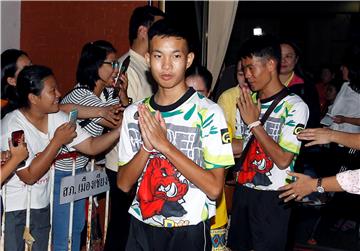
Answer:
[(114, 64)]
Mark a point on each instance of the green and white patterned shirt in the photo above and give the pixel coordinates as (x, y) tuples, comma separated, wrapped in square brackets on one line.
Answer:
[(197, 127), (284, 123)]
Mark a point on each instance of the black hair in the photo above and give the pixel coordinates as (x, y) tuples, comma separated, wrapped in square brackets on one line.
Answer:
[(265, 46), (144, 15), (30, 81), (9, 59), (91, 59), (199, 70), (169, 28), (105, 45)]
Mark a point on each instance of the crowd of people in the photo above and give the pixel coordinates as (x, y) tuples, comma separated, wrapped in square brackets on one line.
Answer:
[(167, 147)]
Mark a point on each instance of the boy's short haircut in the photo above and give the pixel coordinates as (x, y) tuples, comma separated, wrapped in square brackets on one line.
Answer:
[(168, 28), (144, 15), (265, 46)]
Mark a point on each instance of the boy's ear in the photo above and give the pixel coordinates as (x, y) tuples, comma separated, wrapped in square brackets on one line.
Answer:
[(147, 58), (142, 31), (11, 81), (271, 64), (189, 59)]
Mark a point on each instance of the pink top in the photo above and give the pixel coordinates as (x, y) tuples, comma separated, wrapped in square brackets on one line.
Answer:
[(349, 181)]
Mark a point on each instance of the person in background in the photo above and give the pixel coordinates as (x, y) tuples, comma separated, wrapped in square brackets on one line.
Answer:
[(140, 82), (227, 79), (228, 98), (293, 77), (327, 74), (345, 111), (200, 79), (12, 62), (348, 181), (331, 91), (94, 74)]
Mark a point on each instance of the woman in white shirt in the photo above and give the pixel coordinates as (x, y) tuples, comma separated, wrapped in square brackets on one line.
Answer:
[(46, 131)]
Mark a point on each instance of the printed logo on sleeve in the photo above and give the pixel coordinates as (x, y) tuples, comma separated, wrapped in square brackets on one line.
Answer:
[(225, 136), (298, 128)]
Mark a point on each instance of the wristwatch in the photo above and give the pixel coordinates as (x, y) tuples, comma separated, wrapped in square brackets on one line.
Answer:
[(319, 187)]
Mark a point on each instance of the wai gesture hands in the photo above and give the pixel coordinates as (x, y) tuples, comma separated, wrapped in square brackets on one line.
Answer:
[(153, 129), (249, 111)]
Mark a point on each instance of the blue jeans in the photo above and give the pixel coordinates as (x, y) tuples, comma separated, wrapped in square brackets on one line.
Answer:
[(39, 229), (61, 218)]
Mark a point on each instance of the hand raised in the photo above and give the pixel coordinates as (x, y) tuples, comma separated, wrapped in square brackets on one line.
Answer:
[(249, 111), (65, 133), (339, 119), (5, 155), (19, 152)]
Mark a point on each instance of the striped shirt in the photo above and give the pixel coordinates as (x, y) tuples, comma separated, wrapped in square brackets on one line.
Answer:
[(83, 96)]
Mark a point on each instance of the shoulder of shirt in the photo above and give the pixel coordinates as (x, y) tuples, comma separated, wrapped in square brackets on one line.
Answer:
[(207, 103), (11, 117), (295, 99), (133, 107), (76, 93)]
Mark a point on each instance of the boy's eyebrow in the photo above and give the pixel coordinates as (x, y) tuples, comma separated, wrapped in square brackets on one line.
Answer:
[(248, 65), (159, 51)]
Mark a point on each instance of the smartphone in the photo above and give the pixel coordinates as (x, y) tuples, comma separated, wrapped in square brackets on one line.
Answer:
[(15, 139), (73, 114), (118, 81), (16, 136)]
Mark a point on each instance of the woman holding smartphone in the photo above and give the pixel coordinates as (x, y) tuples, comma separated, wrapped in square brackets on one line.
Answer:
[(46, 132), (95, 75)]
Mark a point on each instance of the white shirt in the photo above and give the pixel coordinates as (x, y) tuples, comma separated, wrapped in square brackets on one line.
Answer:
[(16, 195), (347, 103), (196, 126)]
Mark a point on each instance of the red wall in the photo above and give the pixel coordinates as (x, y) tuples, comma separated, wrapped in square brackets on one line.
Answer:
[(53, 33)]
